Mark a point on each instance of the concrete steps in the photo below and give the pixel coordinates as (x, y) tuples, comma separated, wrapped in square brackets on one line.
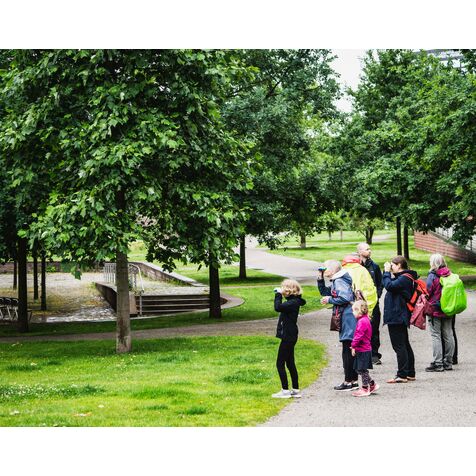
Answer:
[(157, 305)]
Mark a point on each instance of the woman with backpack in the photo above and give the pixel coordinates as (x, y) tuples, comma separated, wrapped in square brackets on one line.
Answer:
[(397, 315), (443, 336)]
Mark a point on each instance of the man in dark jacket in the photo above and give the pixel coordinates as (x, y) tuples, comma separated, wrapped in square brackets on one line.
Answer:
[(374, 269)]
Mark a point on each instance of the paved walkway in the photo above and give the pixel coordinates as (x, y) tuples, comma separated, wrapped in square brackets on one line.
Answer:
[(441, 399)]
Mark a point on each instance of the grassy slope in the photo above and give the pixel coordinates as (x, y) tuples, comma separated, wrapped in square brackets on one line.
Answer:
[(220, 381)]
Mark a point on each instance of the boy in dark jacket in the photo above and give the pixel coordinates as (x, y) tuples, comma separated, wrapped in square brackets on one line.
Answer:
[(287, 331)]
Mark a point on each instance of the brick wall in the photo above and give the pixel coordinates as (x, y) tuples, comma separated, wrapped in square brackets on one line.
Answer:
[(435, 244)]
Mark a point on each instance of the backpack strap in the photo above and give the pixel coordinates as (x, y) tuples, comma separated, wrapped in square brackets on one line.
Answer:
[(408, 275)]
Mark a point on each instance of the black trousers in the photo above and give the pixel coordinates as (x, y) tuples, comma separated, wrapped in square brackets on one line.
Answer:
[(286, 358), (401, 345), (350, 374), (375, 341), (455, 354)]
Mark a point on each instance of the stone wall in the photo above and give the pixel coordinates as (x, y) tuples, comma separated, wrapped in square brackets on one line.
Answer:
[(435, 244)]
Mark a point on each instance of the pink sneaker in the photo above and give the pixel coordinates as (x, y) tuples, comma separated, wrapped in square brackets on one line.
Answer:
[(362, 392), (374, 387)]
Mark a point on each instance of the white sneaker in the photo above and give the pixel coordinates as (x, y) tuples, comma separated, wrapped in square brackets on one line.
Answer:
[(282, 394), (296, 393)]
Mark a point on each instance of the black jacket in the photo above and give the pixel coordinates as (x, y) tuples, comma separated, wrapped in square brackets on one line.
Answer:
[(374, 269), (399, 291), (287, 329)]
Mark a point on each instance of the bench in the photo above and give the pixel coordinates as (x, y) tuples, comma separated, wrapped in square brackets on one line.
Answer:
[(9, 309)]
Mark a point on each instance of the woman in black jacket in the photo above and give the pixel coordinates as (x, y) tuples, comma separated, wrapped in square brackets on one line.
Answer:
[(397, 315), (287, 331)]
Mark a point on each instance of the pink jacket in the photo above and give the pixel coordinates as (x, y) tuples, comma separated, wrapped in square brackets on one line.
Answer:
[(362, 335)]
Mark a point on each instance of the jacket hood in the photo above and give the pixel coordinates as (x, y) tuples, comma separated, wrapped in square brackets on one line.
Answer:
[(350, 259), (443, 271), (408, 271), (301, 300), (352, 265), (342, 274)]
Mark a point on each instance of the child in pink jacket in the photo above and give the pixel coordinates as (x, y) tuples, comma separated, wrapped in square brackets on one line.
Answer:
[(361, 348)]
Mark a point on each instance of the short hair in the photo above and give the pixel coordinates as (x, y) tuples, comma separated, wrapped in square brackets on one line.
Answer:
[(360, 307), (437, 261), (401, 260), (290, 287), (361, 245), (333, 265)]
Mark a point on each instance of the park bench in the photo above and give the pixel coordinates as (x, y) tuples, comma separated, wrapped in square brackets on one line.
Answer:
[(9, 309)]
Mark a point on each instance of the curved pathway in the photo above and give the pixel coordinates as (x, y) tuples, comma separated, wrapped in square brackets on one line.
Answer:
[(435, 399)]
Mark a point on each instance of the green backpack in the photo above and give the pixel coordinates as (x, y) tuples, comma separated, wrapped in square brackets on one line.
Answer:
[(453, 295)]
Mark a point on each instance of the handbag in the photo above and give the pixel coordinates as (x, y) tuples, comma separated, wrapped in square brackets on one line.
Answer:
[(336, 318)]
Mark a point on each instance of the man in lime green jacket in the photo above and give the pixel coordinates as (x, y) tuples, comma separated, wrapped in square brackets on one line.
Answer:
[(361, 280)]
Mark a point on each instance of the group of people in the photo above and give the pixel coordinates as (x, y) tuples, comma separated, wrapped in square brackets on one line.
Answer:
[(356, 285)]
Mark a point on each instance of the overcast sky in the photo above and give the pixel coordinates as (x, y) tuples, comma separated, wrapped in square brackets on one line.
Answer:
[(348, 65)]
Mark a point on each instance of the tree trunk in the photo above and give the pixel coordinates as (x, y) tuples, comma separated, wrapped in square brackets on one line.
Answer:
[(215, 303), (123, 322), (242, 257), (341, 235), (22, 286), (15, 274), (43, 282), (406, 249), (35, 275), (302, 235), (330, 235), (369, 233), (399, 236)]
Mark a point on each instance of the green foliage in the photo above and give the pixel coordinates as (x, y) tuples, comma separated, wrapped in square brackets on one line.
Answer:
[(408, 150), (280, 114)]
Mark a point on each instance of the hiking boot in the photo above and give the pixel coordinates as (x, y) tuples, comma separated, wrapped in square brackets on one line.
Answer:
[(411, 379), (362, 392), (374, 387), (376, 360), (345, 387), (296, 393), (455, 361), (447, 367), (434, 368), (282, 394)]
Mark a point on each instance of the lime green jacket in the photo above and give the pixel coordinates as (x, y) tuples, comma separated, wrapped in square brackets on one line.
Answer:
[(361, 280)]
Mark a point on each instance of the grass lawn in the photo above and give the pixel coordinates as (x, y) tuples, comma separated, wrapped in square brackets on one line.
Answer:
[(381, 251), (220, 381), (258, 304), (317, 238)]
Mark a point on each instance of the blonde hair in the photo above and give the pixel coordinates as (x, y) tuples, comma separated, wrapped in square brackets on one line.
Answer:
[(290, 287), (436, 261), (360, 307)]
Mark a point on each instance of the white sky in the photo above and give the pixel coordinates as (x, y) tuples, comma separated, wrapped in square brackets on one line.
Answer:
[(348, 65)]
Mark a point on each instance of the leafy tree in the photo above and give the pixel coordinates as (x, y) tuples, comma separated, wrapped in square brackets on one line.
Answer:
[(291, 89), (127, 134)]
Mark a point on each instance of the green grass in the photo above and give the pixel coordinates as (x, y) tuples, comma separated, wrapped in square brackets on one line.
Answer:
[(258, 305), (318, 238), (381, 251), (219, 381)]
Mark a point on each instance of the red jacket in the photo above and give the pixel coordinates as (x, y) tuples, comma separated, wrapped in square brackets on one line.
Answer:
[(362, 335)]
